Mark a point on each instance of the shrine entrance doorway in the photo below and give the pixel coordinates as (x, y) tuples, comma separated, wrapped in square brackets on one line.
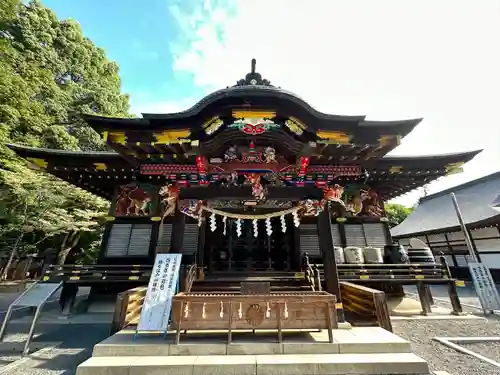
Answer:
[(251, 248)]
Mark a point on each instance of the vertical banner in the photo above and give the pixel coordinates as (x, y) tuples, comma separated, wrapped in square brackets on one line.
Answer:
[(157, 306), (485, 287)]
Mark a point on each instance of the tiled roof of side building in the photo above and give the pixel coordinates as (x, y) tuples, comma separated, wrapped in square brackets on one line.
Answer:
[(436, 212)]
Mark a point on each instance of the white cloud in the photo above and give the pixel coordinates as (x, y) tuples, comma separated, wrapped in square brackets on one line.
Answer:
[(388, 59)]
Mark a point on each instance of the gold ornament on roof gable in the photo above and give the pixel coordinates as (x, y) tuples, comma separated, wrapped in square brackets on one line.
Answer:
[(38, 163), (295, 126), (386, 140), (395, 169), (241, 114), (100, 166), (453, 168), (117, 137), (335, 137), (172, 136), (212, 125)]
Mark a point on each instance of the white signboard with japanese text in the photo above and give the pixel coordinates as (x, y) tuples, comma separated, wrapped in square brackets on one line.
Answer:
[(157, 306), (484, 286)]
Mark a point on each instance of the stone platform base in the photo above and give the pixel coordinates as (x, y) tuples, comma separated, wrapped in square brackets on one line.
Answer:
[(360, 350)]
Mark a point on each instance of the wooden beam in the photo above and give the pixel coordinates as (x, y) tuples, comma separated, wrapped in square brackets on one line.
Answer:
[(308, 149), (245, 193)]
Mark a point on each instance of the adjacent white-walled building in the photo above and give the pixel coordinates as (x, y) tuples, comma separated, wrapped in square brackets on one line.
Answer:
[(435, 222)]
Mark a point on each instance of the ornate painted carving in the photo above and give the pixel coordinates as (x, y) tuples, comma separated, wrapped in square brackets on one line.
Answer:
[(258, 190), (334, 193), (168, 199), (269, 155), (230, 154), (310, 207), (133, 201), (354, 202), (372, 206), (254, 126), (192, 208)]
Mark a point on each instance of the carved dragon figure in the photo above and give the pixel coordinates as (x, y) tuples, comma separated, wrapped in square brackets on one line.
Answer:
[(169, 195), (355, 203), (371, 206), (133, 201), (258, 190)]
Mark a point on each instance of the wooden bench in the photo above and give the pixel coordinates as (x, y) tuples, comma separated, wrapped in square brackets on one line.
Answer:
[(235, 311)]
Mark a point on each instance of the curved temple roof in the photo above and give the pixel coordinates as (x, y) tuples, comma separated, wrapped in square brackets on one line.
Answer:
[(208, 129), (436, 212), (258, 94)]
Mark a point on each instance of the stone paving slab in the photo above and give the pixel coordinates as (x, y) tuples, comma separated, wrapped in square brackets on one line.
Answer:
[(317, 364), (355, 340)]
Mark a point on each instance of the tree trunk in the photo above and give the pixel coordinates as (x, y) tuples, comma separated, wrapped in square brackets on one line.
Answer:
[(69, 242), (11, 257)]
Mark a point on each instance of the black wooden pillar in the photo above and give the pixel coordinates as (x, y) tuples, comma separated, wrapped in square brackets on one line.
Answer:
[(329, 265), (178, 226), (200, 251)]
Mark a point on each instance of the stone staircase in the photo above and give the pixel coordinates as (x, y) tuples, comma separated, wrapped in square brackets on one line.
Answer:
[(360, 350)]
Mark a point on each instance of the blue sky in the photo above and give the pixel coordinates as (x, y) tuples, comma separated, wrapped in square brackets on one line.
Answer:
[(387, 59), (144, 38)]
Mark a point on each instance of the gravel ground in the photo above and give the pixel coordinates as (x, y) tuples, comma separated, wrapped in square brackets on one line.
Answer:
[(489, 350), (440, 357)]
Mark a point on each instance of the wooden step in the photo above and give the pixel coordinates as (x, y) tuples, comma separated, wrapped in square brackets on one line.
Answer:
[(238, 274), (252, 280), (237, 289)]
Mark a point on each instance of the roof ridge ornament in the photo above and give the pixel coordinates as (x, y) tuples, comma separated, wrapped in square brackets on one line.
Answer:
[(253, 78)]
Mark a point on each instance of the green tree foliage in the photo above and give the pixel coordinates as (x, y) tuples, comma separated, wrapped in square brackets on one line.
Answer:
[(396, 213), (50, 74)]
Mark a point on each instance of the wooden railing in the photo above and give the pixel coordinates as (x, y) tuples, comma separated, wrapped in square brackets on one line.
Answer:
[(128, 308), (235, 311), (93, 273), (312, 274), (366, 303), (188, 276), (398, 275)]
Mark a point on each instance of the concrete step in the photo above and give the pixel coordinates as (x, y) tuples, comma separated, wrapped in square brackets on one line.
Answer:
[(361, 340), (305, 364)]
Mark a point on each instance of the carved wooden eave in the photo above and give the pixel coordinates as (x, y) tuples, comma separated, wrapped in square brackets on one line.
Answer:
[(101, 172)]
